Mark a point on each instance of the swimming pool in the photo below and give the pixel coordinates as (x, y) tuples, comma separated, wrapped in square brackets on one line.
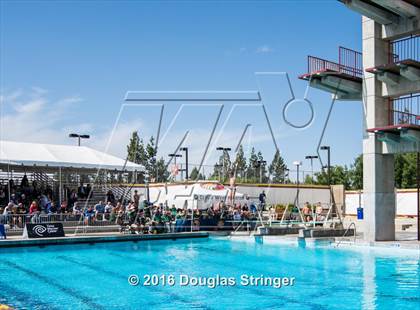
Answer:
[(96, 276)]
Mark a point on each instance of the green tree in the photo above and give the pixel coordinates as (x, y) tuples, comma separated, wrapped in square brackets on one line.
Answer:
[(309, 179), (217, 171), (136, 152), (399, 163), (133, 148), (251, 171), (162, 174), (409, 176), (339, 175), (223, 168), (261, 168), (194, 174), (356, 173), (277, 168), (239, 165), (150, 165)]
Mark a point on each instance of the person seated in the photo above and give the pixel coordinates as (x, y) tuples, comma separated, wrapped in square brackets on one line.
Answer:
[(8, 209), (77, 210), (45, 204), (237, 216), (100, 210), (196, 225), (120, 220), (63, 207), (108, 210), (51, 208), (318, 212), (272, 213), (253, 207), (89, 216), (33, 208), (307, 212), (21, 209), (173, 211)]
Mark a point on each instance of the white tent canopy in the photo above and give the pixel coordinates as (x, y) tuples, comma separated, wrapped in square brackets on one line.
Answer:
[(53, 155)]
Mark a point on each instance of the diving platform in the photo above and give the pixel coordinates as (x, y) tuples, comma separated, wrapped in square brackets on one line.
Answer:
[(403, 131), (393, 72), (343, 79), (402, 72)]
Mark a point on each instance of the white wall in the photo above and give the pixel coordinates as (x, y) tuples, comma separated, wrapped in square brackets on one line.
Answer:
[(286, 195), (406, 202), (275, 195)]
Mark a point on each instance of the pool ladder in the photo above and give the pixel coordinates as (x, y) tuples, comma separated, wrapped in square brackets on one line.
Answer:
[(345, 233)]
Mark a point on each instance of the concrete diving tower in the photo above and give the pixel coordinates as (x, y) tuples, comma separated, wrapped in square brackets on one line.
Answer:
[(399, 18), (402, 134), (342, 79), (401, 73)]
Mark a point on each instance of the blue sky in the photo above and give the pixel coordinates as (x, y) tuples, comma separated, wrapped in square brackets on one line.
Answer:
[(67, 65)]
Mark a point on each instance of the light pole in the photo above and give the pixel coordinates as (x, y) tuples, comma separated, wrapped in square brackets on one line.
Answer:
[(217, 166), (223, 149), (328, 149), (297, 164), (261, 163), (174, 156), (146, 183), (285, 175), (75, 135), (185, 149), (312, 157)]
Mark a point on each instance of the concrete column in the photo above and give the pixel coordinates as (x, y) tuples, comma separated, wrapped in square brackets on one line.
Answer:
[(378, 168)]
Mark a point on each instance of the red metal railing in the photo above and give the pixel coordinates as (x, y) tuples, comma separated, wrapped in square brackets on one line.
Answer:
[(349, 62), (405, 110), (403, 49)]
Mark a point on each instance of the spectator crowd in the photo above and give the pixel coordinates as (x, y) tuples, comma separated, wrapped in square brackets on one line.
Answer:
[(34, 203)]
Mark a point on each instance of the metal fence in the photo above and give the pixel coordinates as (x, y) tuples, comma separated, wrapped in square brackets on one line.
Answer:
[(349, 62), (405, 110), (404, 49), (16, 222)]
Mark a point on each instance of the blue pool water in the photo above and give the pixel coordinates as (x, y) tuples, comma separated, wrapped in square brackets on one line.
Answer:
[(95, 276)]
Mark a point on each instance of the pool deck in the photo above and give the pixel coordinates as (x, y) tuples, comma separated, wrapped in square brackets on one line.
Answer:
[(406, 243), (17, 241)]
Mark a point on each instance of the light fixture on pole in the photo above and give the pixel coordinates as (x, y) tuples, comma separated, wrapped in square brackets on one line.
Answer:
[(174, 156), (297, 163), (261, 163), (328, 149), (312, 157), (75, 135), (185, 149)]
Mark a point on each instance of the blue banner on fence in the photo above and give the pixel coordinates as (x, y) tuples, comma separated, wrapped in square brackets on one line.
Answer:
[(2, 232)]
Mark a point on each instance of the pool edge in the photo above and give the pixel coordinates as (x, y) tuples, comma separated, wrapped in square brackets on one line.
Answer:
[(98, 239)]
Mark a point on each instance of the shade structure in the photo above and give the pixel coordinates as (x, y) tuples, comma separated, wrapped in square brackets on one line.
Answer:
[(65, 156)]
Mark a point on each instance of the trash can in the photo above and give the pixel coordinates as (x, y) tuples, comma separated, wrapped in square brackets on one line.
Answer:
[(360, 213)]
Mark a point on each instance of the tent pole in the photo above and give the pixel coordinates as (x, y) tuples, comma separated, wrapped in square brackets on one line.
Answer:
[(8, 180), (60, 198)]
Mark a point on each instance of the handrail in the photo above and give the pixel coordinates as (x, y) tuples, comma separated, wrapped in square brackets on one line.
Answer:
[(345, 232)]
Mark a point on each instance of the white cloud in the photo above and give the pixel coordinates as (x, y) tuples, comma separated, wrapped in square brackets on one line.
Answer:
[(32, 117), (265, 49)]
